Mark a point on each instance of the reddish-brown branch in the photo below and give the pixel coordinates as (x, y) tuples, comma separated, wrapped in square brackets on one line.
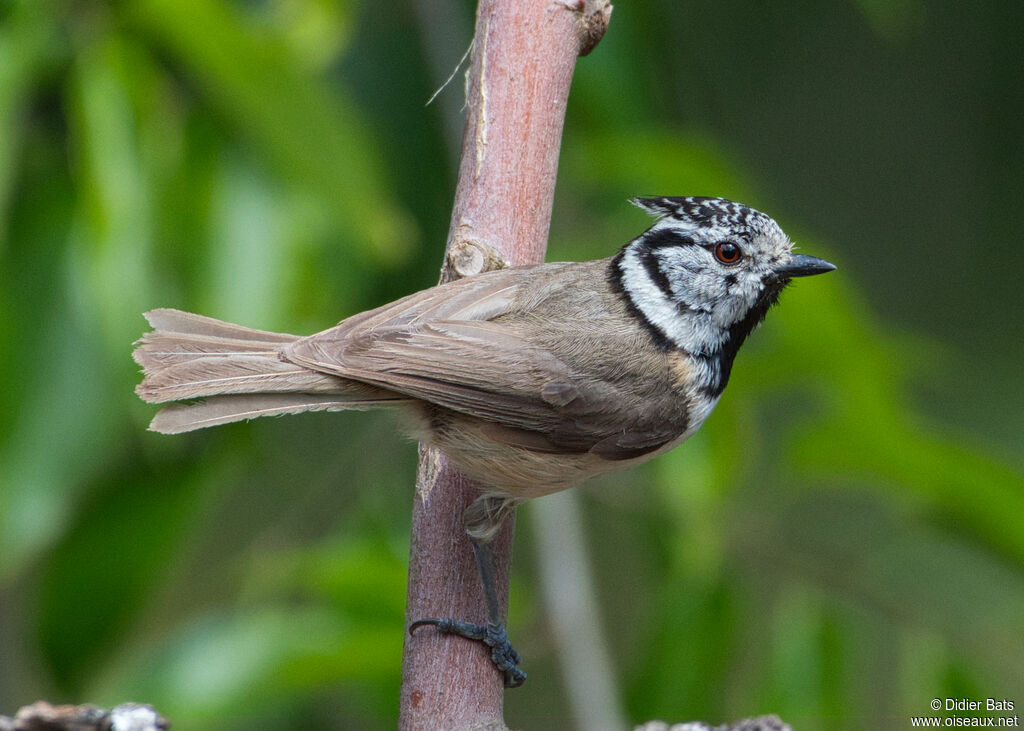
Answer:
[(524, 55)]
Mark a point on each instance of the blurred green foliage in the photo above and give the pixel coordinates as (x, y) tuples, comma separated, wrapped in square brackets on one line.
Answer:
[(842, 542)]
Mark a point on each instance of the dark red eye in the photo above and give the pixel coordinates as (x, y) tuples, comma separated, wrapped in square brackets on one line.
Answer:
[(727, 252)]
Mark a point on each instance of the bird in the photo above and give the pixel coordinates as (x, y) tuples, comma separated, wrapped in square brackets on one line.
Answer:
[(531, 379)]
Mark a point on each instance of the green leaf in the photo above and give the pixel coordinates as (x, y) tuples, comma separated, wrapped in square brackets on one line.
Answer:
[(311, 133)]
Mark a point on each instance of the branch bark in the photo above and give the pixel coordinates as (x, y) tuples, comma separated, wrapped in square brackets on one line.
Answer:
[(524, 54)]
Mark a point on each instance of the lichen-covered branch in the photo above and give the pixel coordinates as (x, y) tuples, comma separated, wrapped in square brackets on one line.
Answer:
[(43, 716)]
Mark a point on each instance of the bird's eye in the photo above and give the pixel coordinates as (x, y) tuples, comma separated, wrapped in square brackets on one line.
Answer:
[(727, 252)]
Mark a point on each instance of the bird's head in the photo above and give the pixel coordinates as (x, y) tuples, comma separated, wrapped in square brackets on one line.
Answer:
[(706, 273)]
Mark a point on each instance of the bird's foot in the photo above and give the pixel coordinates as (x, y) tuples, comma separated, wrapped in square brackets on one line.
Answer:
[(494, 636)]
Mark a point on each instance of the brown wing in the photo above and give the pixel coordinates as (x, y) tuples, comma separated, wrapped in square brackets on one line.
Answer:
[(464, 347)]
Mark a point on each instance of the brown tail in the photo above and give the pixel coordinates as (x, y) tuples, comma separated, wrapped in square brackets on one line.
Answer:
[(238, 371)]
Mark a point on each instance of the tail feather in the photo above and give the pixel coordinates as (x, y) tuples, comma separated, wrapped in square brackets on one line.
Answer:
[(169, 348), (178, 418), (204, 375), (175, 321), (238, 370)]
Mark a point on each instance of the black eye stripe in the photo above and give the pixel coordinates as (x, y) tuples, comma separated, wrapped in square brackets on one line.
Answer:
[(656, 273), (736, 241), (660, 238), (652, 264)]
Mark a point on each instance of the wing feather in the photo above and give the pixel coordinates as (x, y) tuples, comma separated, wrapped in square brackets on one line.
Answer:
[(467, 347)]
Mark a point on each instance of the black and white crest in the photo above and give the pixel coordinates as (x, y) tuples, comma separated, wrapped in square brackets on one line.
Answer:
[(706, 212)]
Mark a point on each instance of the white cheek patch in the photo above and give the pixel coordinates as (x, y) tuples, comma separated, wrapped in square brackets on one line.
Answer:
[(693, 332), (728, 311), (736, 302)]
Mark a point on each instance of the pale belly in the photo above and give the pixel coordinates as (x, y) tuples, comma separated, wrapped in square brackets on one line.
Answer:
[(523, 474)]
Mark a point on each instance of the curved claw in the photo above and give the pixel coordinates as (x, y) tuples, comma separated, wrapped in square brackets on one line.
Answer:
[(494, 636), (514, 677), (429, 620)]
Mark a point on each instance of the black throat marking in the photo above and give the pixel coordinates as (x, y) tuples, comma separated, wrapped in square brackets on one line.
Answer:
[(738, 334)]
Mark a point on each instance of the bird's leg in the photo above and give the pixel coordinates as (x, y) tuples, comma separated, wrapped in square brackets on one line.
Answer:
[(492, 634)]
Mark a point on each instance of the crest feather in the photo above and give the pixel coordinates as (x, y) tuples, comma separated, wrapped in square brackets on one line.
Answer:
[(658, 207), (703, 211)]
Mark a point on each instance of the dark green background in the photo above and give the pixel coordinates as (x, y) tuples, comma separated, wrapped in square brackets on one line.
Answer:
[(842, 543)]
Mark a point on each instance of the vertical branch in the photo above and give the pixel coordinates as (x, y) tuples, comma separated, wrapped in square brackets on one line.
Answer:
[(524, 54)]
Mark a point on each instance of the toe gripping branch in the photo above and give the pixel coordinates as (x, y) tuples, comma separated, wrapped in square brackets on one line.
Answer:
[(492, 634)]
